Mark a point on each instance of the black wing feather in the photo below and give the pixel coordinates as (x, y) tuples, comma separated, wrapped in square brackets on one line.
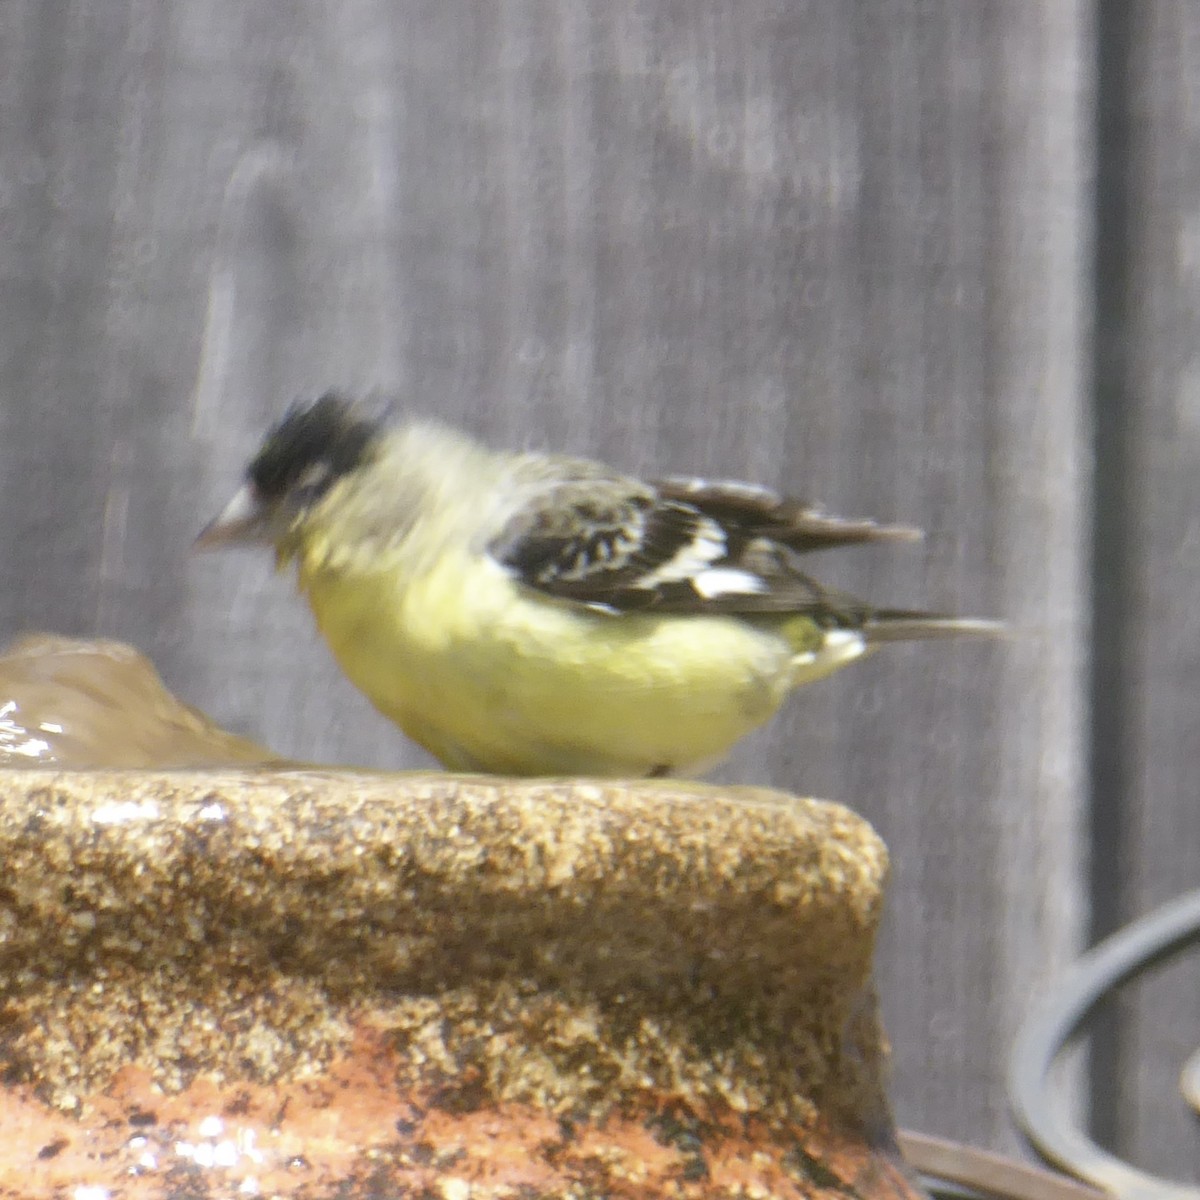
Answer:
[(593, 545), (793, 523), (604, 541)]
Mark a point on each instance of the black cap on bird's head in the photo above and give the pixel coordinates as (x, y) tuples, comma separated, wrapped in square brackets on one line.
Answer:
[(312, 447), (300, 459)]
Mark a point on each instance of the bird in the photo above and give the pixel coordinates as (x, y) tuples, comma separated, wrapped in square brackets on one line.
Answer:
[(533, 614)]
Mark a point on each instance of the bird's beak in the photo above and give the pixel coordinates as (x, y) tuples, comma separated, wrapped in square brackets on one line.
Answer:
[(242, 521)]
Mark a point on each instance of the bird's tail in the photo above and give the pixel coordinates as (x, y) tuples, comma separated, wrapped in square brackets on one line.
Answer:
[(896, 625)]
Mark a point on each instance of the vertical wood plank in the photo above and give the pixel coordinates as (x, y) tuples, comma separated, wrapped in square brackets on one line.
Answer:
[(1149, 382)]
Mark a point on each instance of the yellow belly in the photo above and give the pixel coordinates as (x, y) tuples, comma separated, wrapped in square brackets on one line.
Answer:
[(488, 678)]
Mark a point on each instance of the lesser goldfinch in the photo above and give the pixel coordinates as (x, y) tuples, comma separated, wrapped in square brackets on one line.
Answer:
[(530, 614)]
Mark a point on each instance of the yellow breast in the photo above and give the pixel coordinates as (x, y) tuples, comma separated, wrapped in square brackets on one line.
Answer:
[(490, 677)]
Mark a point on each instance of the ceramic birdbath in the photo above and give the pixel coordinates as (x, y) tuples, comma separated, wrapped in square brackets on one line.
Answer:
[(248, 980)]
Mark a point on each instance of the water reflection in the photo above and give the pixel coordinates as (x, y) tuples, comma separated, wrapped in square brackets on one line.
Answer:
[(73, 703)]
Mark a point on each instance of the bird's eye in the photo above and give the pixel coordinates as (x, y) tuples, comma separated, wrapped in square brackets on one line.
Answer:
[(312, 482)]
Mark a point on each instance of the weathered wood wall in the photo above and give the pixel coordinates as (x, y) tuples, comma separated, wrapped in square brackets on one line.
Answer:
[(1146, 706), (843, 248)]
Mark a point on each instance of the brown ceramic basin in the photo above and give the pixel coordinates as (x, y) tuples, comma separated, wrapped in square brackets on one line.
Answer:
[(244, 981)]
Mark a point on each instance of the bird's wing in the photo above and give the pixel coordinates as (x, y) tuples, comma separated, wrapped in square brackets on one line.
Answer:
[(793, 523), (684, 546)]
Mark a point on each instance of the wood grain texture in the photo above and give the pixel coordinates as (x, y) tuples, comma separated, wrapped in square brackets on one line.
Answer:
[(1148, 554), (840, 249)]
